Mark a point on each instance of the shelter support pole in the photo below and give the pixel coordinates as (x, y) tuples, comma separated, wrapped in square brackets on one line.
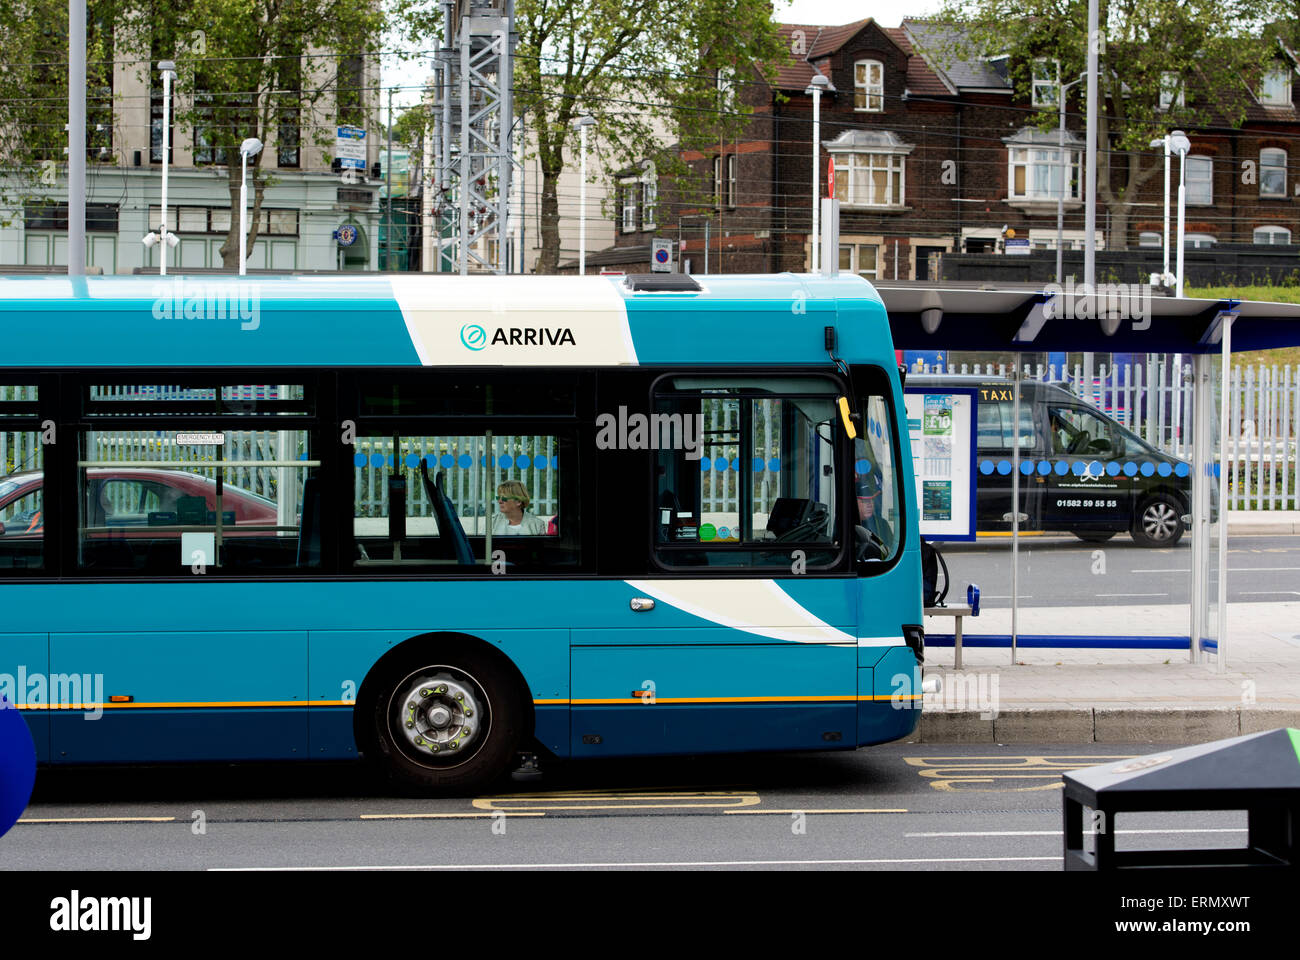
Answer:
[(1224, 395), (1015, 505), (1199, 576)]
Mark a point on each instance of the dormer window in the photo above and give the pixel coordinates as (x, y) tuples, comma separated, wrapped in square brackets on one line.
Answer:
[(1045, 77), (1275, 91), (1171, 91), (869, 86)]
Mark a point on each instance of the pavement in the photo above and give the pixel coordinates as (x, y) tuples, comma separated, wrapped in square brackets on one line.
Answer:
[(1124, 695), (1245, 523)]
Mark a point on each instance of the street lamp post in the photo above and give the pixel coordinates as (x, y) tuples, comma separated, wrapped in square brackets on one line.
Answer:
[(1060, 196), (249, 148), (1165, 143), (582, 123), (819, 85), (164, 238), (1179, 143)]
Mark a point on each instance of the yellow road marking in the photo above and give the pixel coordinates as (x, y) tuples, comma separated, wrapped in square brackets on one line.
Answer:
[(97, 820), (956, 774), (613, 800), (445, 816), (846, 810)]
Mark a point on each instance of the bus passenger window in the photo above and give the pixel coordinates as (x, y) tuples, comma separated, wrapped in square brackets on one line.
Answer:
[(149, 501), (453, 503), (22, 480)]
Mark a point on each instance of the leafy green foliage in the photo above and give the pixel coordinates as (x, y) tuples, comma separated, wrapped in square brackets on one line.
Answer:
[(1210, 51), (645, 70)]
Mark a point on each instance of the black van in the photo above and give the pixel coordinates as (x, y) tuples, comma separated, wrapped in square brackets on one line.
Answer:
[(1081, 471)]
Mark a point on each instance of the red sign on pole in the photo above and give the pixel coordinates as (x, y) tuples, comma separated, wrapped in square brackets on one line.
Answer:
[(830, 179)]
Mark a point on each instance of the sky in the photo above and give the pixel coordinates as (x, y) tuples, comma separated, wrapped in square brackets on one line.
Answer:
[(833, 12), (828, 12)]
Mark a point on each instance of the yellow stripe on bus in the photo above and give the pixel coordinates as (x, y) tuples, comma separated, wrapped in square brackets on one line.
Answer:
[(200, 704)]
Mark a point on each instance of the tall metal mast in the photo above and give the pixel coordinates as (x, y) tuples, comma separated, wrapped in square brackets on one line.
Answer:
[(474, 122)]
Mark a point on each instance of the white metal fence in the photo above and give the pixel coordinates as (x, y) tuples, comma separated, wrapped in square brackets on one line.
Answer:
[(1154, 400)]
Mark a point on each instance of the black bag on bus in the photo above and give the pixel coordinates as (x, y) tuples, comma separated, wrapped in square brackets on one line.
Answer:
[(931, 561)]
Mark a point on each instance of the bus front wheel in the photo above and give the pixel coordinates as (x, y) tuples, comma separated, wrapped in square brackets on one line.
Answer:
[(1159, 522), (441, 720)]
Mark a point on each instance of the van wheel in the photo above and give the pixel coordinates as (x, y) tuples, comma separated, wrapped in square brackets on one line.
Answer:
[(443, 720), (1094, 536), (1158, 523)]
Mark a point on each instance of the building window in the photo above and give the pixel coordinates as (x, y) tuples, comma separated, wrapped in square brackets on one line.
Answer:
[(1045, 81), (1036, 173), (649, 201), (1199, 240), (191, 219), (100, 217), (288, 134), (156, 126), (1265, 235), (726, 86), (205, 132), (1171, 91), (869, 86), (351, 77), (216, 220), (731, 180), (1272, 173), (1276, 88), (717, 182), (870, 168), (629, 207), (1150, 238), (99, 121), (1200, 181), (869, 179), (859, 258)]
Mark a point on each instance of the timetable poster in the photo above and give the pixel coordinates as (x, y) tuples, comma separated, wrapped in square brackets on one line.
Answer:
[(941, 427)]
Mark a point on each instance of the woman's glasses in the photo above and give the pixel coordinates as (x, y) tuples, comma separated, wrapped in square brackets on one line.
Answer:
[(508, 500)]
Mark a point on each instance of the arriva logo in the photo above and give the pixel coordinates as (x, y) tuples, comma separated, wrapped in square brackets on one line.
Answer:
[(473, 336)]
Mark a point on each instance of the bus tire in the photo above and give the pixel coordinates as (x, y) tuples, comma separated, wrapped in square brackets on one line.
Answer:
[(1158, 522), (1094, 536), (441, 719)]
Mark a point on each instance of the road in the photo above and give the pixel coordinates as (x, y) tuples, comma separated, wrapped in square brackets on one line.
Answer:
[(898, 807), (1065, 572)]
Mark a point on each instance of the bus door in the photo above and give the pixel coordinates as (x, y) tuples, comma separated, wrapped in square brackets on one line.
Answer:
[(743, 634), (994, 438), (1087, 489)]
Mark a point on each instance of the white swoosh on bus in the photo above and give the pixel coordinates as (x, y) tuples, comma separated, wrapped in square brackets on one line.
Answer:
[(760, 607)]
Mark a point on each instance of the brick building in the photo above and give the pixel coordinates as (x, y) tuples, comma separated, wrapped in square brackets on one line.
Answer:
[(932, 155)]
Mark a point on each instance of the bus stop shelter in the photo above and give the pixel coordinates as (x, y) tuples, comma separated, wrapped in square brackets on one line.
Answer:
[(1020, 321)]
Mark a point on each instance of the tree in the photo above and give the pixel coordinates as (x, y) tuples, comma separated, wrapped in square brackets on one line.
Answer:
[(34, 94), (1204, 54), (635, 66), (268, 69)]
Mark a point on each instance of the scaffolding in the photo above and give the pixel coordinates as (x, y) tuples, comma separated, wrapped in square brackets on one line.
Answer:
[(473, 153)]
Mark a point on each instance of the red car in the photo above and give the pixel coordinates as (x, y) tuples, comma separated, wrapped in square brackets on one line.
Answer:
[(131, 501)]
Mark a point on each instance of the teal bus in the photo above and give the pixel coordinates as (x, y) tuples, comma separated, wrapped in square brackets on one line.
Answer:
[(438, 522)]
